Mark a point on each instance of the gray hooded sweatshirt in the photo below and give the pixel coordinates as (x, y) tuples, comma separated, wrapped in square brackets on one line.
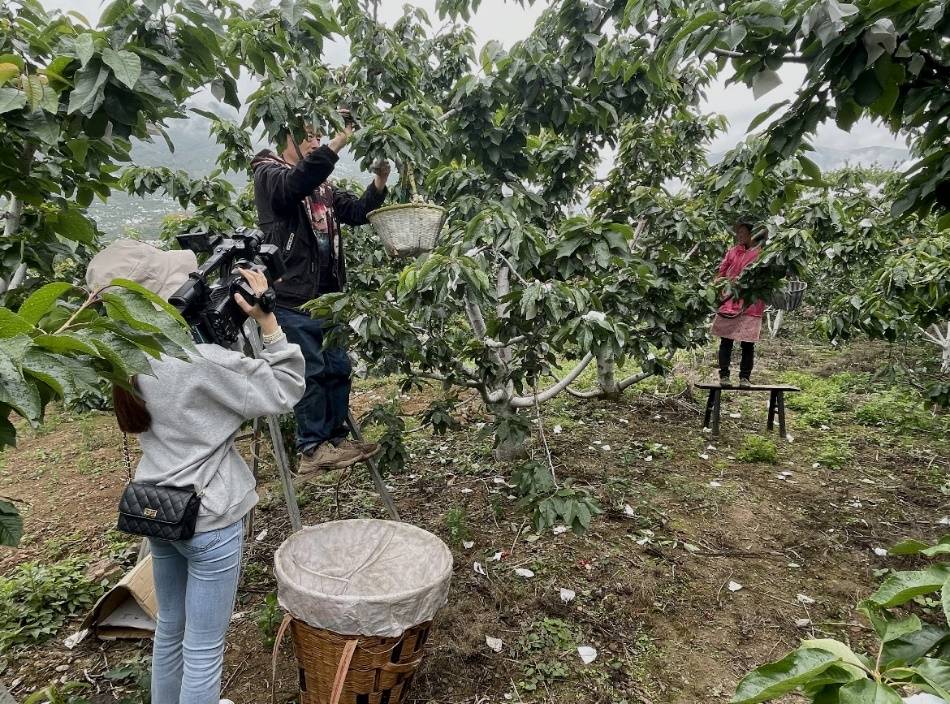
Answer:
[(197, 408)]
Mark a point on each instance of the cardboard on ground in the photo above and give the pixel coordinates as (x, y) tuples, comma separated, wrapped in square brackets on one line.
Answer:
[(129, 609)]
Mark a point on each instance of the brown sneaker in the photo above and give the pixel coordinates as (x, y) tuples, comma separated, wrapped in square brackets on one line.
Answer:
[(366, 449), (327, 457)]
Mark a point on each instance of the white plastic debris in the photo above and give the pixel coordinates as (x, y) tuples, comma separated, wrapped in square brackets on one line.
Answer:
[(587, 653), (794, 565), (710, 447), (261, 536), (558, 530), (734, 586), (703, 456), (598, 442), (624, 421), (466, 490), (715, 484), (496, 557), (567, 595), (494, 644), (735, 415), (557, 429), (803, 622), (76, 638), (945, 521), (477, 566), (523, 572), (628, 511), (805, 600), (500, 480), (880, 552), (648, 458), (468, 544), (605, 448)]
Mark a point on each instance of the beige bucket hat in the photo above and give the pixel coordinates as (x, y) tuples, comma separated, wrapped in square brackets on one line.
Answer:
[(157, 270)]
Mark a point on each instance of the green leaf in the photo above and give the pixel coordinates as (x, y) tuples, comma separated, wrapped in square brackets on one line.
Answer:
[(867, 89), (73, 225), (67, 376), (12, 324), (11, 99), (867, 692), (65, 343), (17, 392), (945, 600), (765, 115), (41, 301), (900, 628), (913, 646), (11, 524), (936, 673), (88, 94), (842, 651), (901, 587), (810, 168), (908, 547), (775, 679), (126, 66), (85, 48), (153, 297)]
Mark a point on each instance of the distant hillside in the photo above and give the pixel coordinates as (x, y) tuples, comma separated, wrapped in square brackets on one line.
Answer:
[(829, 159)]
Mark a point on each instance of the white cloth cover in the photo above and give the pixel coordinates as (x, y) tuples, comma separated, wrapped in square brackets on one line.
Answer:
[(363, 577)]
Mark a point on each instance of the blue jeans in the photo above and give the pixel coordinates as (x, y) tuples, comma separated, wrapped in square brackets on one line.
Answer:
[(196, 581), (321, 413)]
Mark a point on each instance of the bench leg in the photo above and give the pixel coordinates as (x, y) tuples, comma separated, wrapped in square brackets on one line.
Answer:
[(715, 411), (709, 406), (772, 404), (781, 415)]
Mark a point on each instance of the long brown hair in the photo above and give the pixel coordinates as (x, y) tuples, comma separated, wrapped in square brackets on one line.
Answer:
[(130, 409)]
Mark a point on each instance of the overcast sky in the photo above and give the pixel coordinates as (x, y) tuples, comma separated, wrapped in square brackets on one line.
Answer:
[(507, 22)]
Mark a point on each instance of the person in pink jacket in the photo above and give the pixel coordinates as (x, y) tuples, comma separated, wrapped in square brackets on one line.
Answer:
[(735, 320)]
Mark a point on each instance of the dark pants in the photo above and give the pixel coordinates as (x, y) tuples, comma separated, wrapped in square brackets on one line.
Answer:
[(321, 413), (725, 358)]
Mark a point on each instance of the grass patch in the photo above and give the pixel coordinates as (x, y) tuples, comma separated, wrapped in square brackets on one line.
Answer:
[(896, 409), (819, 398), (37, 600), (835, 454), (756, 448)]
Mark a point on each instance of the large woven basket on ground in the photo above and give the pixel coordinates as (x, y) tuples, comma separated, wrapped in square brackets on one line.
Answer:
[(361, 595), (336, 669), (790, 297), (408, 229)]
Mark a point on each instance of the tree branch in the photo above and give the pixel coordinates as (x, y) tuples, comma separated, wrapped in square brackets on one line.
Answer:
[(634, 379), (788, 58), (551, 392)]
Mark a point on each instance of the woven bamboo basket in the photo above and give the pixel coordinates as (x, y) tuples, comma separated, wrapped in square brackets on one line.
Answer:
[(408, 229), (790, 297), (357, 670)]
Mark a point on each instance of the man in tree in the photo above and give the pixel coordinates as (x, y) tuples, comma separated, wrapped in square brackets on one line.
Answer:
[(300, 211)]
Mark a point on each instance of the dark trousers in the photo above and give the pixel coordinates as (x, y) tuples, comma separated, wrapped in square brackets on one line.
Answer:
[(321, 413), (725, 358)]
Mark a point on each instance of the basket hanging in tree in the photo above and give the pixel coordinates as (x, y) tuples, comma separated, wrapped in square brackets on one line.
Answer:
[(790, 297), (408, 229)]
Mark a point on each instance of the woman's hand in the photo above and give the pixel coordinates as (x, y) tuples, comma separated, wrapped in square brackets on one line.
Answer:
[(342, 138), (381, 170), (258, 283)]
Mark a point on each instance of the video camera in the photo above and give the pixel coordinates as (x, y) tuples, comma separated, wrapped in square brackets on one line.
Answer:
[(209, 307)]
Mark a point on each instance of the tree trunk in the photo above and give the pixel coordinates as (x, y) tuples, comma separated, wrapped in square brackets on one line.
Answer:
[(508, 450), (777, 324), (605, 376), (13, 216)]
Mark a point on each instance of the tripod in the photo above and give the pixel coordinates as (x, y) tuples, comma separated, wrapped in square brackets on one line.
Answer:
[(280, 454)]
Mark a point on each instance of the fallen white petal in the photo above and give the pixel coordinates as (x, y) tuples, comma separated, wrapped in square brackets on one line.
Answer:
[(500, 480), (495, 644), (238, 616), (710, 447), (605, 448), (495, 558), (526, 573), (624, 421), (478, 568), (794, 565), (468, 544), (806, 600), (467, 490), (815, 465), (734, 586), (945, 521), (648, 458), (803, 622), (261, 536), (567, 595), (557, 429), (715, 485), (880, 552), (790, 438), (560, 529), (628, 511), (587, 653), (703, 456), (735, 415)]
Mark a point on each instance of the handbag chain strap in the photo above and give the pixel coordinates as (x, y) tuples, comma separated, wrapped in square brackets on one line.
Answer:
[(128, 455)]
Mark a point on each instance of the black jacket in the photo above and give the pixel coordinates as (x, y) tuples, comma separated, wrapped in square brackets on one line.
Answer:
[(281, 193)]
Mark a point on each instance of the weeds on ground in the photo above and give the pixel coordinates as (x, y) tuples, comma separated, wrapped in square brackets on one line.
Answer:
[(267, 618), (551, 504), (835, 454), (68, 693), (134, 676), (755, 448), (36, 600), (456, 523), (819, 398), (542, 651), (896, 409)]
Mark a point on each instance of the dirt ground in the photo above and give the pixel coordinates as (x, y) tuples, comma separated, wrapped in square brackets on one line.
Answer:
[(701, 568)]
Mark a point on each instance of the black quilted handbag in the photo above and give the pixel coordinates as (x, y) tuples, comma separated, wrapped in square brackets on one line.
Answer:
[(165, 512)]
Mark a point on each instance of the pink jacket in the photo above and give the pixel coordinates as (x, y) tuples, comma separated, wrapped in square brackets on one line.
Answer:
[(737, 259)]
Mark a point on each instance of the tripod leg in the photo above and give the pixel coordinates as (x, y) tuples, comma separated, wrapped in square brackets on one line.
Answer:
[(373, 470), (283, 468), (255, 465)]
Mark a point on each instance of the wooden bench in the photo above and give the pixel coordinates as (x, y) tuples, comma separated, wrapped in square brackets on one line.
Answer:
[(776, 403)]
